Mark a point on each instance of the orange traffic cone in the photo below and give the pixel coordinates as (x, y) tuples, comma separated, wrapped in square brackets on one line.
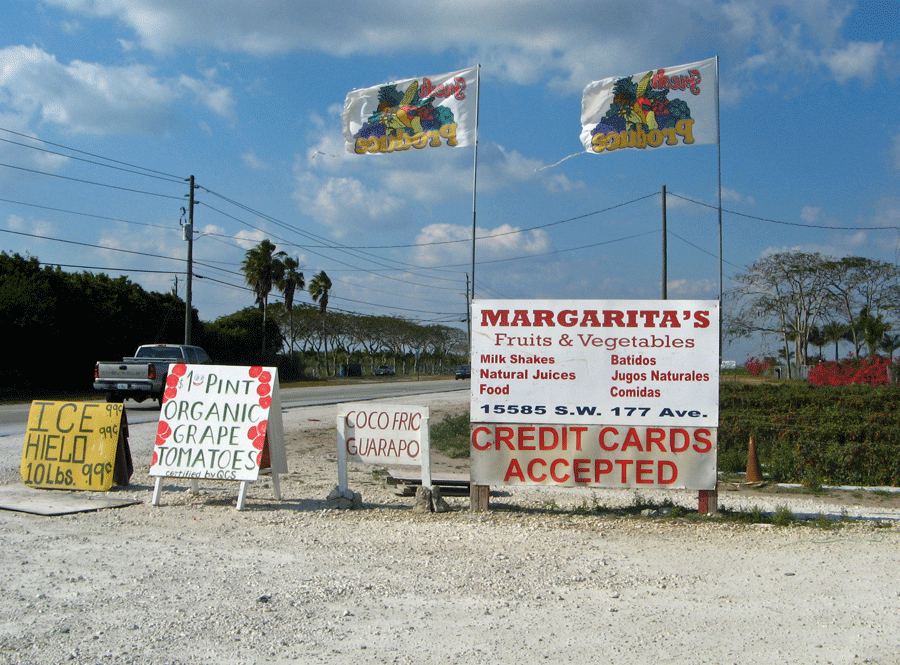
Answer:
[(754, 475)]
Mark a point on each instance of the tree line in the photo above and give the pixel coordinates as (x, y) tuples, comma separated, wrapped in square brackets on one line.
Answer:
[(352, 339), (58, 324), (806, 300)]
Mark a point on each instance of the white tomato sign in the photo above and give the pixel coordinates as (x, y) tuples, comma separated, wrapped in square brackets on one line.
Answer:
[(215, 422)]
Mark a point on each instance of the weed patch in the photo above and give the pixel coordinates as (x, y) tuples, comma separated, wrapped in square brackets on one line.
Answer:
[(451, 436)]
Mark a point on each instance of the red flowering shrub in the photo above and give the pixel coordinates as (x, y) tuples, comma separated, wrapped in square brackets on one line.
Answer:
[(757, 366), (872, 371)]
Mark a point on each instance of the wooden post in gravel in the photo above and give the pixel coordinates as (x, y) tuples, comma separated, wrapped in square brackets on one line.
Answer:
[(479, 498), (708, 502)]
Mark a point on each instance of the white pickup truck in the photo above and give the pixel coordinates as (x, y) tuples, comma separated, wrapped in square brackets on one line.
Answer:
[(144, 375)]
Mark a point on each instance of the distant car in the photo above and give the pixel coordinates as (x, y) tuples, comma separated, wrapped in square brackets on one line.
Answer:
[(464, 372), (384, 370)]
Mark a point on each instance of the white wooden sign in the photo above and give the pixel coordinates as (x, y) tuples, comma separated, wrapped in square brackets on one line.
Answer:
[(220, 422), (389, 434), (596, 362), (612, 456)]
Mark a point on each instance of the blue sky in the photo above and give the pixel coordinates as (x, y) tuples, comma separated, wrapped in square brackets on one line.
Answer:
[(247, 98)]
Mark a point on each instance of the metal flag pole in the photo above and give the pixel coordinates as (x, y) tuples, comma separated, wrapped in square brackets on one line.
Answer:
[(719, 146), (475, 180)]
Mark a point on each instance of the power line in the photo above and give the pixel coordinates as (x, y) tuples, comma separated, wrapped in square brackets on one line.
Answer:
[(110, 249), (371, 304), (90, 182), (85, 214), (313, 251), (517, 231), (87, 161), (776, 221), (174, 178), (346, 249), (569, 249)]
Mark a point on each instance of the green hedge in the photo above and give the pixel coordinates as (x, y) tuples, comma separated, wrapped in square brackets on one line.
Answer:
[(812, 434)]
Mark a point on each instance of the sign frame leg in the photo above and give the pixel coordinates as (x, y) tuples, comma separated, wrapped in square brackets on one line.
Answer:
[(157, 489)]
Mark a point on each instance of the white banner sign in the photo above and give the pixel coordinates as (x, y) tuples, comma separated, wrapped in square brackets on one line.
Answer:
[(428, 112), (596, 362), (602, 456), (659, 108)]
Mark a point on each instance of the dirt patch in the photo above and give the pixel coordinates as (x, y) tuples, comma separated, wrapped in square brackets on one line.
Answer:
[(868, 498)]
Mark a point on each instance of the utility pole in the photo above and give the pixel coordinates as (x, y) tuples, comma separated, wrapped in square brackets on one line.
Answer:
[(188, 231)]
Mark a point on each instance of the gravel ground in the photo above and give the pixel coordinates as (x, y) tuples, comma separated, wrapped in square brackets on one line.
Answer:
[(195, 581)]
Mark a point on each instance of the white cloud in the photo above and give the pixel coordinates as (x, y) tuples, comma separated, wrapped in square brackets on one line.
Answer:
[(254, 162), (811, 214), (248, 239), (565, 44), (343, 203), (70, 27), (736, 197), (215, 97), (857, 60), (97, 99), (450, 244), (346, 191), (36, 227), (692, 289)]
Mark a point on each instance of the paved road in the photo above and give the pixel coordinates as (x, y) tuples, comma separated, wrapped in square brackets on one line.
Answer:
[(14, 418)]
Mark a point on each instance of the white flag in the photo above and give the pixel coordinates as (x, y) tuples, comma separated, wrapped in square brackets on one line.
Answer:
[(655, 109), (430, 112)]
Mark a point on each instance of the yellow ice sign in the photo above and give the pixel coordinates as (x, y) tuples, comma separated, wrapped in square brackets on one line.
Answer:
[(74, 446)]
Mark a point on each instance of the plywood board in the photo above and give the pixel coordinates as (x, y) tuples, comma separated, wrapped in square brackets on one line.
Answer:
[(54, 502)]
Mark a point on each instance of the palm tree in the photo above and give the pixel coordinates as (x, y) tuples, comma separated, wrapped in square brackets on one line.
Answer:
[(834, 332), (817, 338), (889, 343), (873, 329), (263, 268), (319, 287), (289, 282)]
